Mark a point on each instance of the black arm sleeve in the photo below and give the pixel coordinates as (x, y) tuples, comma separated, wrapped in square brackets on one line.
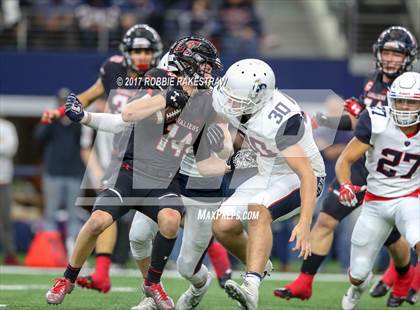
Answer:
[(290, 132), (363, 130)]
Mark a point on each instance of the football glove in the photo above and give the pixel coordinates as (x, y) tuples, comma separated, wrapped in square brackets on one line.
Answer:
[(176, 97), (74, 108), (215, 138), (353, 106), (347, 194)]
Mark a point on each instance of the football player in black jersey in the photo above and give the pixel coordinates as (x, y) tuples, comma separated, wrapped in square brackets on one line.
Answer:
[(395, 51), (152, 157), (141, 49)]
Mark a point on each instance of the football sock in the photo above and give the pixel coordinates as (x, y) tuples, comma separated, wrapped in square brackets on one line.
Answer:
[(390, 274), (219, 258), (103, 263), (311, 264), (71, 273), (254, 278), (162, 248), (402, 270), (415, 284)]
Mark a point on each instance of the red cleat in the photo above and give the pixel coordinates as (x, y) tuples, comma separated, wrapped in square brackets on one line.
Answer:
[(401, 287), (56, 294), (90, 282), (300, 288), (162, 300)]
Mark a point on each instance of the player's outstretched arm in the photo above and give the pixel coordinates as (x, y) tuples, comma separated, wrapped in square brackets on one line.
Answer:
[(99, 121), (86, 98), (299, 162)]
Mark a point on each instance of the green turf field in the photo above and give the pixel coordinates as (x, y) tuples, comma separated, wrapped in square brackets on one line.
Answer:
[(20, 291)]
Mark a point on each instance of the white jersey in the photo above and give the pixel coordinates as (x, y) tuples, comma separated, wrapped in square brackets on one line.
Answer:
[(267, 133), (394, 158)]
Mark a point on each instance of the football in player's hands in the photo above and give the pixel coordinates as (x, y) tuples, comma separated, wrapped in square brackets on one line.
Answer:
[(167, 116), (74, 108), (176, 97)]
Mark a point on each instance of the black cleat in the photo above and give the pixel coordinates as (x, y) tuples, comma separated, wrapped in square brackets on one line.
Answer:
[(394, 302), (380, 289), (412, 297), (226, 276)]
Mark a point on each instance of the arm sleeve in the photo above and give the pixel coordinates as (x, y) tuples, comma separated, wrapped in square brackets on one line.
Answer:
[(363, 130), (290, 132), (107, 122)]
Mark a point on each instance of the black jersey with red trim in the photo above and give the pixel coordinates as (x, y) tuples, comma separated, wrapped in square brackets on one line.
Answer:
[(162, 146), (119, 85), (374, 90)]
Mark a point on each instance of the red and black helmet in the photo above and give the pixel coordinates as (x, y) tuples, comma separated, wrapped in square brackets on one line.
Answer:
[(141, 36), (397, 39), (188, 54)]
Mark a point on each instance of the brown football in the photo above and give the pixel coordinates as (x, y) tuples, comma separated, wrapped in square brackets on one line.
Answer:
[(171, 114)]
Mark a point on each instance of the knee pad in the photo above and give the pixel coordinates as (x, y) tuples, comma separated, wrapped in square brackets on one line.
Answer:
[(361, 267), (141, 249)]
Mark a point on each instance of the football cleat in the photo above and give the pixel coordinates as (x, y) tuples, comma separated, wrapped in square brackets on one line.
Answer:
[(226, 276), (58, 291), (394, 301), (267, 269), (193, 296), (246, 295), (300, 288), (379, 289), (286, 293), (158, 294), (90, 283), (412, 297), (354, 293), (146, 304)]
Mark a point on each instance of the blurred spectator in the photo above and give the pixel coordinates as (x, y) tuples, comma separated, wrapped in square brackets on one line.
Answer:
[(97, 20), (191, 17), (63, 171), (8, 147), (240, 31), (53, 22), (140, 12)]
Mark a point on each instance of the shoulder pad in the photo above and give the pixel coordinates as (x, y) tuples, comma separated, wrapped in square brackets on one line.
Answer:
[(380, 116)]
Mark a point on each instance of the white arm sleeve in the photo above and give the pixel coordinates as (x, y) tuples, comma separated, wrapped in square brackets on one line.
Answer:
[(105, 122)]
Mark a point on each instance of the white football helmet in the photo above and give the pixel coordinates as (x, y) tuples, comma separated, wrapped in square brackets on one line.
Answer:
[(405, 89), (244, 88)]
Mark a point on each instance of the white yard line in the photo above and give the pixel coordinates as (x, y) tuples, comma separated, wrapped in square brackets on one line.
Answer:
[(173, 274)]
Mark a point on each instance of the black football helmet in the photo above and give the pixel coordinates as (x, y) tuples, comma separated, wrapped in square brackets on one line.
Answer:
[(188, 54), (141, 36), (397, 39)]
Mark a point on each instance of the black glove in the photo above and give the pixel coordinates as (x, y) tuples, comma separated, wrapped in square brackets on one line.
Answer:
[(215, 138), (74, 108), (176, 98)]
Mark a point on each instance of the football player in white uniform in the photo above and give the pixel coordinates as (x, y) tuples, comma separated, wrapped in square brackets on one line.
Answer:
[(390, 137), (290, 172)]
